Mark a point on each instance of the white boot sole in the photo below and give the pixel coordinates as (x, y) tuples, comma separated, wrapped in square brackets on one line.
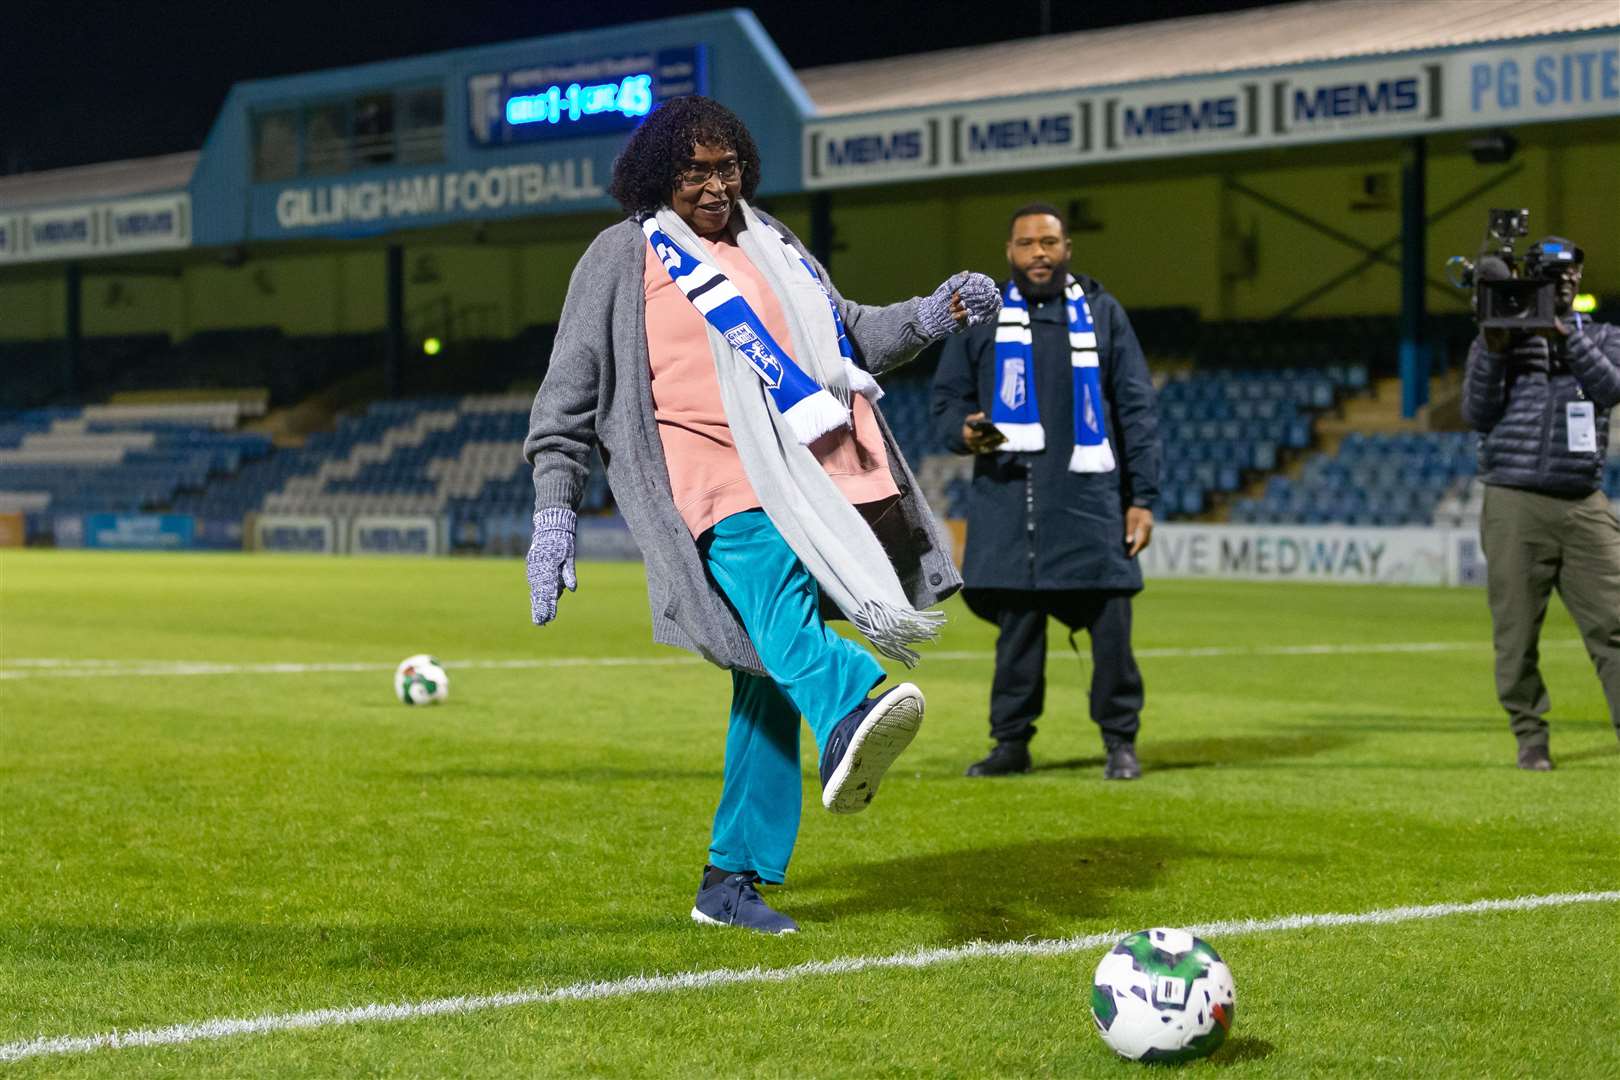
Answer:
[(887, 730), (705, 920)]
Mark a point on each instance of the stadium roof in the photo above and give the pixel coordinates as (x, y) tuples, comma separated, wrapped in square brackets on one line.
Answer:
[(1298, 33), (108, 180)]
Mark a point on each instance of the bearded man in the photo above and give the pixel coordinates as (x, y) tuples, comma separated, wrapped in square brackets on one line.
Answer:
[(1055, 402)]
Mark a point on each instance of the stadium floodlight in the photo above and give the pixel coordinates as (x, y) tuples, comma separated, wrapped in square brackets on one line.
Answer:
[(432, 346), (1585, 303)]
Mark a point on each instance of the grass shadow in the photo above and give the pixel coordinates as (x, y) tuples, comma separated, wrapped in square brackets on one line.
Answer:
[(1170, 754), (1034, 889), (573, 774), (503, 951), (1242, 1049), (1588, 755)]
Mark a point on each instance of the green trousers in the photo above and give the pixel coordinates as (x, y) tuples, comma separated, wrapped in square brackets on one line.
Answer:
[(1533, 544)]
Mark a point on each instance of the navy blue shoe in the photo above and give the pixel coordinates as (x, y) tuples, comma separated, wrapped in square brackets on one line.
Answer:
[(734, 900), (864, 745)]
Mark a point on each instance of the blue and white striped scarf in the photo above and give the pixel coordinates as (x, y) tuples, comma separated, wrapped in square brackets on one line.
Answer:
[(776, 408), (811, 406), (1015, 411)]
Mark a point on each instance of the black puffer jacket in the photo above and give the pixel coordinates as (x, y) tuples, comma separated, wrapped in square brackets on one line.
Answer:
[(1518, 401)]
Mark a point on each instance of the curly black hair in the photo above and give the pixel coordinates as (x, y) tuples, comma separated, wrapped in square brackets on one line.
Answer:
[(644, 172)]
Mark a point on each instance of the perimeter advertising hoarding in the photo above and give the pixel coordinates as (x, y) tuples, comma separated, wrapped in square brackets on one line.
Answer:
[(318, 534), (13, 529), (1569, 78), (1343, 554), (143, 532), (116, 228), (389, 535), (904, 147), (294, 534)]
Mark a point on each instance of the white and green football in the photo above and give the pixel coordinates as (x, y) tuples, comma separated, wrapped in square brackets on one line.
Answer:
[(421, 680), (1162, 995)]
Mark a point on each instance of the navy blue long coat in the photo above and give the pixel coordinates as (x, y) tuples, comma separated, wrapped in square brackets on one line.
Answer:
[(1033, 524)]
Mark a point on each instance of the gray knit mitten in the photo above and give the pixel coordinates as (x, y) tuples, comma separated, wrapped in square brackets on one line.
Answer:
[(550, 562), (979, 296)]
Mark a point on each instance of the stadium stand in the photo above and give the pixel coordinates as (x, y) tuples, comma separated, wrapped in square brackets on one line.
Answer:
[(454, 456), (1387, 479), (459, 457), (1218, 428), (1369, 341), (120, 458), (1459, 508), (289, 367)]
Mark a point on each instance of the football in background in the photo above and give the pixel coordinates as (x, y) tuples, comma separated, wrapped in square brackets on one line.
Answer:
[(421, 680)]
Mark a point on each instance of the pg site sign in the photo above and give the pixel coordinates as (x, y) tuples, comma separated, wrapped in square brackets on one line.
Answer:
[(1569, 78)]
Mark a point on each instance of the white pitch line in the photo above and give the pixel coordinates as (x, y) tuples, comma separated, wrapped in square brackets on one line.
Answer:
[(54, 668), (68, 668), (221, 1028)]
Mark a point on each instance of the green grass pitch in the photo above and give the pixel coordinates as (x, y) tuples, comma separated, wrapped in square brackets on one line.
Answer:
[(249, 842)]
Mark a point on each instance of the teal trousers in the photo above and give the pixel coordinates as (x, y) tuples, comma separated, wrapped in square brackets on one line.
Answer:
[(813, 672)]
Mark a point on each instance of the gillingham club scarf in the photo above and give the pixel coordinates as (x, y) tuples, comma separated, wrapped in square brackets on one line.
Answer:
[(1015, 411), (777, 407), (811, 406)]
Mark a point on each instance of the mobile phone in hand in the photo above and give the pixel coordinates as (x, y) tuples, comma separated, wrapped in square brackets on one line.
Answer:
[(986, 429)]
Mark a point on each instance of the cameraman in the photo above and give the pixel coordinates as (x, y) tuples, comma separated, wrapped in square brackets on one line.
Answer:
[(1541, 402)]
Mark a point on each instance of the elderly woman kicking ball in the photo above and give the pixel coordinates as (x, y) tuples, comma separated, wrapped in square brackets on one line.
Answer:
[(730, 388)]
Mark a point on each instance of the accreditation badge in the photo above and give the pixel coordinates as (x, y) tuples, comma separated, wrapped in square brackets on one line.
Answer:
[(1582, 428)]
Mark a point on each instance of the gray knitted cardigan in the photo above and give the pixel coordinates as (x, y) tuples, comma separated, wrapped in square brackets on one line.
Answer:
[(598, 392)]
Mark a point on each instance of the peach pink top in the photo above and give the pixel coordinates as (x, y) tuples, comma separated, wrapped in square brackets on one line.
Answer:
[(704, 470)]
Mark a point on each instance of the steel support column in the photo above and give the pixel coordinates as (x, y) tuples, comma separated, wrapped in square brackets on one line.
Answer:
[(1414, 349), (72, 330), (821, 228), (394, 333)]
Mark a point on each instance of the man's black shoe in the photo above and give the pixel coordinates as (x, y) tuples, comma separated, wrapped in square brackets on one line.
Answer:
[(1122, 763), (1535, 759), (1006, 759)]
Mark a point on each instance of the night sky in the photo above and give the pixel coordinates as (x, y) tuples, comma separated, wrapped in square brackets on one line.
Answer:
[(86, 81)]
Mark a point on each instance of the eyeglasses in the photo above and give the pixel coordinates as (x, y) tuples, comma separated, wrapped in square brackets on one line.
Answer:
[(698, 175)]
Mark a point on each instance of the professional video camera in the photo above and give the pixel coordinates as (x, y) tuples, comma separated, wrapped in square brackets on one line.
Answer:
[(1510, 293)]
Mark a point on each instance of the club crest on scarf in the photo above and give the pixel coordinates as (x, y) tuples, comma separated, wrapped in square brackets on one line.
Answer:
[(757, 353), (810, 410), (1016, 412), (773, 402), (1013, 390)]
